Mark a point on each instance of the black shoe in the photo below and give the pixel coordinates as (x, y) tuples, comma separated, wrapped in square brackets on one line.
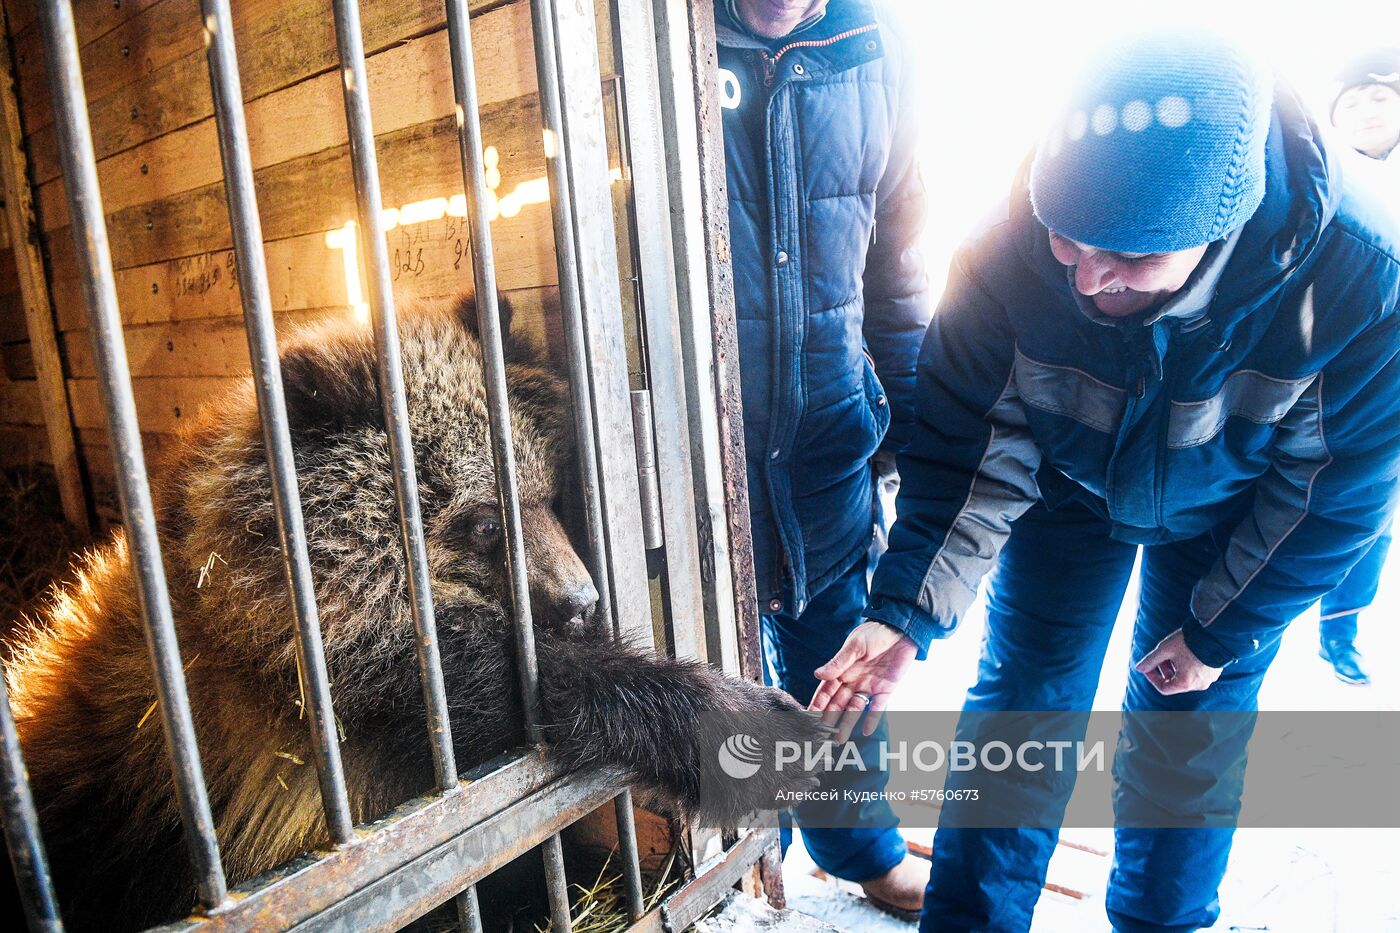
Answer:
[(1345, 660)]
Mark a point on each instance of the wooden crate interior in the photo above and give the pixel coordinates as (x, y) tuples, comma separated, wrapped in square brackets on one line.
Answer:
[(158, 163)]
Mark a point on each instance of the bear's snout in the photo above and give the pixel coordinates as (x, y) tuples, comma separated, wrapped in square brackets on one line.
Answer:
[(571, 602), (561, 589), (578, 602)]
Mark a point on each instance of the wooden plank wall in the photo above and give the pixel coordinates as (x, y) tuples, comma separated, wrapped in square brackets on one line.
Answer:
[(150, 107), (23, 439)]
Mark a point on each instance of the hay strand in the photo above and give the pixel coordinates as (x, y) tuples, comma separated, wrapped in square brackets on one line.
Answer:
[(601, 907), (156, 702)]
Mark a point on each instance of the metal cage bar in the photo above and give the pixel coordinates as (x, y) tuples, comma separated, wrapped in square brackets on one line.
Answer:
[(497, 404), (571, 111), (520, 803), (656, 285), (565, 252), (469, 911), (21, 823), (389, 902), (302, 891), (679, 75), (114, 381), (711, 328), (629, 855), (272, 410), (633, 616), (493, 353), (350, 43)]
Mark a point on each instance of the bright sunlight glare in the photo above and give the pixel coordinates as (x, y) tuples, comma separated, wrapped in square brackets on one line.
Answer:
[(993, 75)]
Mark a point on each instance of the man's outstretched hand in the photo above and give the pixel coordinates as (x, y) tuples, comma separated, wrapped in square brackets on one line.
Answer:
[(863, 673), (1172, 667)]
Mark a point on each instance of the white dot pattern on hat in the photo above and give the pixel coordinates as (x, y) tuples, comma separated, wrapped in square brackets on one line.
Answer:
[(1184, 162), (1078, 123), (1172, 112), (1137, 114), (1104, 120)]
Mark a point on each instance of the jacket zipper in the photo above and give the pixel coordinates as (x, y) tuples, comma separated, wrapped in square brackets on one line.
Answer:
[(822, 43), (1169, 380), (770, 62), (768, 67)]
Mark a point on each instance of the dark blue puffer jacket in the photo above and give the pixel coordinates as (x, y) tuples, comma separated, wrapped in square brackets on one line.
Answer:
[(1271, 419), (826, 210)]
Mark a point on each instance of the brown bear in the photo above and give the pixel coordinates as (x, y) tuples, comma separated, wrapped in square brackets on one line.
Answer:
[(80, 678)]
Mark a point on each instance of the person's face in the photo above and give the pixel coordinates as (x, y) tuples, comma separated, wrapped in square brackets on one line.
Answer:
[(1121, 284), (1369, 118), (774, 19)]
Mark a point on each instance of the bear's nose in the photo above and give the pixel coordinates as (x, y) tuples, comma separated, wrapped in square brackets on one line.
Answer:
[(579, 601)]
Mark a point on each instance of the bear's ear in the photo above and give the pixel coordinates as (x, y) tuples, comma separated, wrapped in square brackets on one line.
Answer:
[(466, 313), (331, 383)]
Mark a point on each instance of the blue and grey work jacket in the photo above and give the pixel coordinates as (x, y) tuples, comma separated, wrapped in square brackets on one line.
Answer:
[(1265, 412), (826, 211)]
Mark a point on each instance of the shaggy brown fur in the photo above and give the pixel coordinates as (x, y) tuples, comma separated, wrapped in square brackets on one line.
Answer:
[(81, 683)]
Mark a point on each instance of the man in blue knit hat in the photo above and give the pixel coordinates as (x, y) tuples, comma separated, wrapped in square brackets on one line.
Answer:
[(1178, 339)]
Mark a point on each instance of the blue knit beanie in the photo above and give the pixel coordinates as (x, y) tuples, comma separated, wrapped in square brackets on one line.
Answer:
[(1161, 148)]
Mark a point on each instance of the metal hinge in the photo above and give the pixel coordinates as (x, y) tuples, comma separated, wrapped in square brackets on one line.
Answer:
[(647, 480)]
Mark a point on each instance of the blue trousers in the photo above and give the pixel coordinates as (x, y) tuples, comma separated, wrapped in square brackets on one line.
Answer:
[(1052, 603), (1357, 591), (793, 647)]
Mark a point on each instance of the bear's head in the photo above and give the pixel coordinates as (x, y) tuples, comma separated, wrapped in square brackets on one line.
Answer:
[(222, 535)]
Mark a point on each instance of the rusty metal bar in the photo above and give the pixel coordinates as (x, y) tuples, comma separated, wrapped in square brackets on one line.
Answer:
[(469, 911), (631, 858), (714, 879), (571, 110), (723, 332), (272, 410), (308, 892), (421, 884), (686, 76), (304, 887), (565, 252), (21, 823), (350, 44), (770, 876), (646, 164), (502, 447), (114, 380)]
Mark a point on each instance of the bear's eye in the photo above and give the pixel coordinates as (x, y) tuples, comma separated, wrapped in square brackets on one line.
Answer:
[(485, 530), (478, 531)]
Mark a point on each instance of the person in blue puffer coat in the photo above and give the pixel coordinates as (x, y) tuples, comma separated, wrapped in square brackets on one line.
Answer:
[(1178, 338), (826, 213), (1366, 113)]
